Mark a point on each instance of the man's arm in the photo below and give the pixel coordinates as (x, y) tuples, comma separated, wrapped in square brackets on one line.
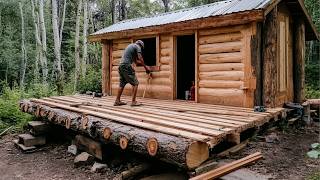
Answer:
[(140, 61)]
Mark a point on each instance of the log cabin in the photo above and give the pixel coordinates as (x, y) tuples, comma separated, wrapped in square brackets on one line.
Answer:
[(238, 52)]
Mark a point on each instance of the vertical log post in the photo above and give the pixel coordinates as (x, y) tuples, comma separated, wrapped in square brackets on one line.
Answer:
[(298, 62), (270, 59), (257, 64), (105, 68)]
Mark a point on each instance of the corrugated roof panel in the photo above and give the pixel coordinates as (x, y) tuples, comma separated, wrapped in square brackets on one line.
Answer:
[(214, 9)]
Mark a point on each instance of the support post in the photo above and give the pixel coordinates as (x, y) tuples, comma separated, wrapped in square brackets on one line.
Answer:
[(298, 61), (106, 68), (270, 59)]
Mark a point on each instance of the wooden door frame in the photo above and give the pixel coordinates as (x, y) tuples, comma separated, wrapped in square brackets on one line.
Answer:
[(174, 65)]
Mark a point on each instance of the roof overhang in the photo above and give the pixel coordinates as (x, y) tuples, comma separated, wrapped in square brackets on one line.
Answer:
[(237, 18), (298, 10)]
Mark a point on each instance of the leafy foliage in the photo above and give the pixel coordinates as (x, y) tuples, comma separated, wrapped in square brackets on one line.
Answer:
[(10, 114), (92, 81)]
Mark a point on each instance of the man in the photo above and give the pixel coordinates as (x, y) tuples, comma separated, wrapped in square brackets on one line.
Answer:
[(132, 54)]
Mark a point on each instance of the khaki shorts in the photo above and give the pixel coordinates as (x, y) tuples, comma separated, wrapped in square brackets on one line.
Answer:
[(127, 75)]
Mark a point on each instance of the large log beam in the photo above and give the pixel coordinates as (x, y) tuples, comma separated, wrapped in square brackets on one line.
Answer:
[(298, 61), (106, 68), (269, 65), (176, 150)]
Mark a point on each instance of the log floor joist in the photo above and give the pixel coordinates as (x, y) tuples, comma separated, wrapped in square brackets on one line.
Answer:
[(179, 132)]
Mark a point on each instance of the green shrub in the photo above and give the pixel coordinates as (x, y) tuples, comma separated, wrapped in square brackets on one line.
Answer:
[(10, 114), (312, 93), (91, 82), (40, 90)]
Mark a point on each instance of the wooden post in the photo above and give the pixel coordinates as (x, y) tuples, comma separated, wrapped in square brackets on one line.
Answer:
[(196, 67), (105, 68), (257, 64), (270, 59), (298, 61)]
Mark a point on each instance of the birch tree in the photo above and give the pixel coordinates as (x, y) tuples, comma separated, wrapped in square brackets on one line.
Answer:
[(57, 48), (23, 50), (44, 62), (62, 21), (84, 36), (77, 46), (166, 5), (35, 17)]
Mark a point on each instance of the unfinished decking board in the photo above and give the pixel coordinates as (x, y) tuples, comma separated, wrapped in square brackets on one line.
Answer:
[(151, 113), (185, 115), (172, 122), (163, 129), (250, 120), (201, 122)]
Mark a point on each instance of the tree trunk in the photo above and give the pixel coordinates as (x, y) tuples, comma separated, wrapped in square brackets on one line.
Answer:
[(35, 17), (299, 63), (57, 48), (23, 49), (123, 10), (270, 59), (112, 7), (85, 46), (180, 151), (77, 47), (166, 5), (44, 43), (62, 20)]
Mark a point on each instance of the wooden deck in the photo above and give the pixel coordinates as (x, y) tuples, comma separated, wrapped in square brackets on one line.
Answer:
[(195, 121)]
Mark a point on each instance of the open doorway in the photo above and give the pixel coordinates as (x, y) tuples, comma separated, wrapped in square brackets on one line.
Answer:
[(185, 64)]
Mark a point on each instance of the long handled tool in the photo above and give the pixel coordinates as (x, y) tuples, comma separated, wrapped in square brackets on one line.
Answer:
[(148, 83)]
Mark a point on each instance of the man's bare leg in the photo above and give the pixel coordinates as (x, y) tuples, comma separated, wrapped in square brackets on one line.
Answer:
[(118, 102), (134, 93)]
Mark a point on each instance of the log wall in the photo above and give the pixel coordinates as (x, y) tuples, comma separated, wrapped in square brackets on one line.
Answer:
[(225, 72), (161, 83)]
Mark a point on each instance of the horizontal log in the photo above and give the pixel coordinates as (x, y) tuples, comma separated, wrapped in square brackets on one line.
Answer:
[(117, 54), (165, 67), (220, 92), (119, 46), (165, 59), (228, 37), (222, 75), (234, 57), (180, 151), (221, 30), (166, 52), (220, 47), (151, 88), (221, 67), (149, 94), (164, 38), (165, 45), (158, 74), (234, 100), (154, 81), (220, 84), (126, 40)]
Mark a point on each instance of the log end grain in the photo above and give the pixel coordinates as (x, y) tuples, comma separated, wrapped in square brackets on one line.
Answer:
[(123, 142), (84, 122), (152, 146), (197, 153), (106, 133)]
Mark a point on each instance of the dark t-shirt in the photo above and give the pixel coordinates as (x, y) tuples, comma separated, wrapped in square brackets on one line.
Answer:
[(130, 54)]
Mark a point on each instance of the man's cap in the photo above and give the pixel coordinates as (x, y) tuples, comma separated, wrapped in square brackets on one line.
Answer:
[(140, 43)]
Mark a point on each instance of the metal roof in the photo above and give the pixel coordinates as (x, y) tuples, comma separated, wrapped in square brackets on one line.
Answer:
[(208, 10)]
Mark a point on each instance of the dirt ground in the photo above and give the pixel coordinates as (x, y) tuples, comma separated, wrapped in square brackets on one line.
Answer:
[(284, 158)]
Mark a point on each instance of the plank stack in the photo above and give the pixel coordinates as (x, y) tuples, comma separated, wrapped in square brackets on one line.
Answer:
[(29, 142)]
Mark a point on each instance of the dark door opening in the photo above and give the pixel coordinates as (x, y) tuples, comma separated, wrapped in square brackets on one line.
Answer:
[(185, 64)]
